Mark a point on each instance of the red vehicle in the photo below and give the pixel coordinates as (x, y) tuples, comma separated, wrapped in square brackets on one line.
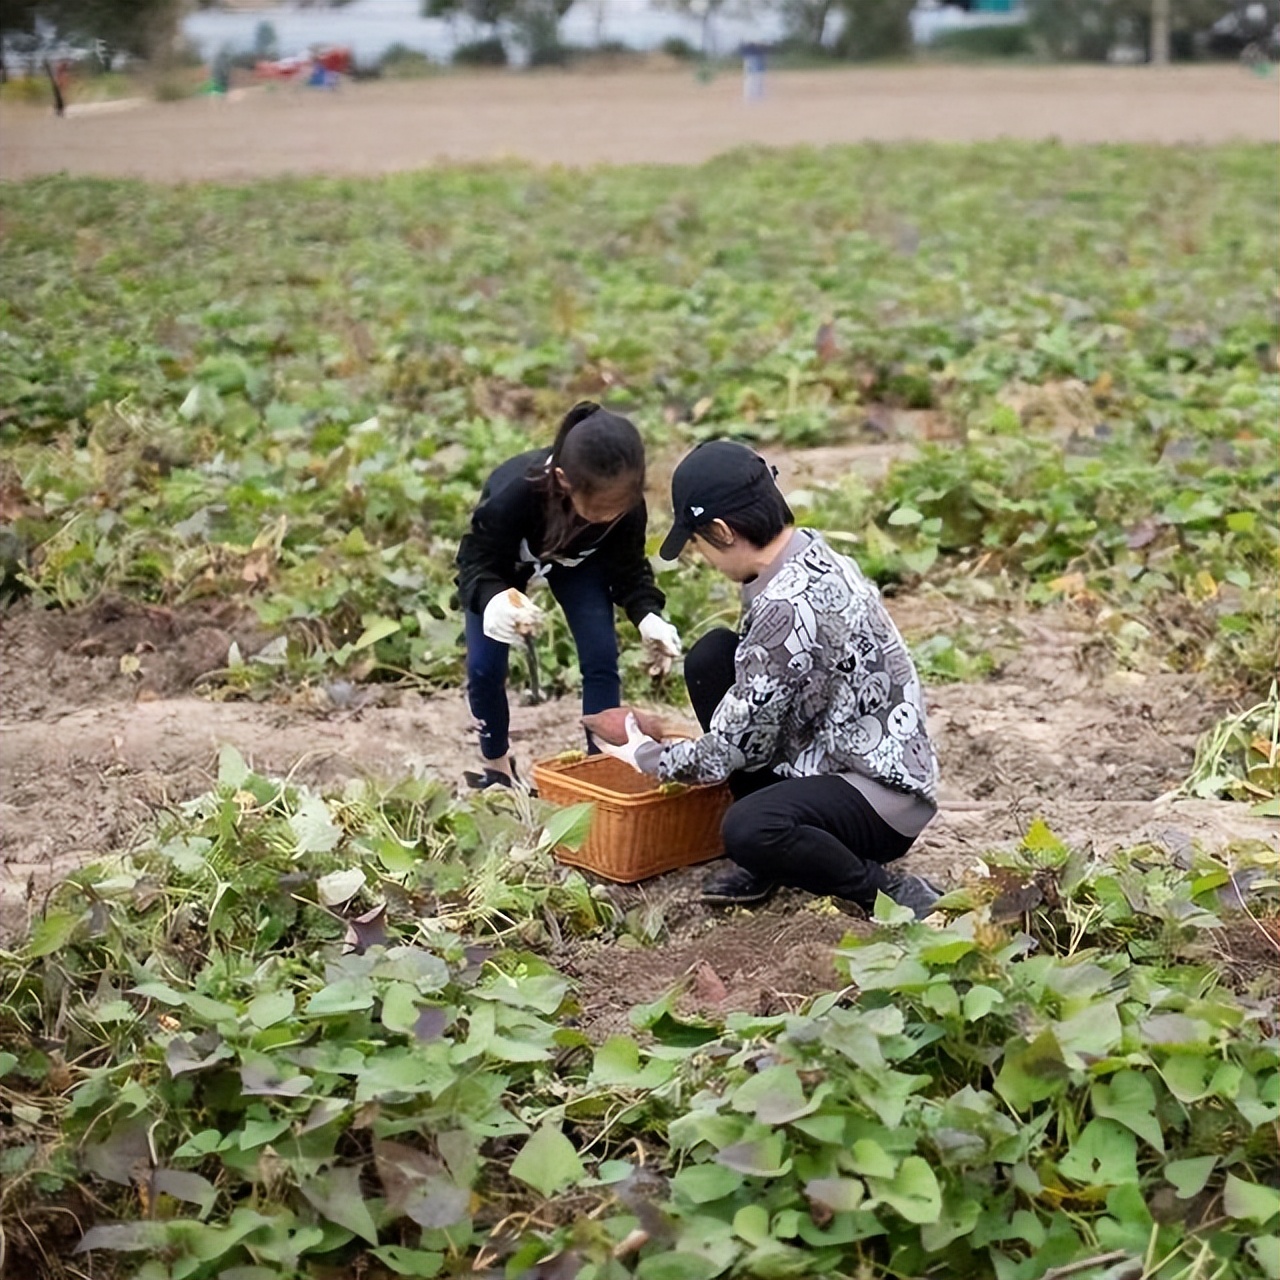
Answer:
[(321, 65)]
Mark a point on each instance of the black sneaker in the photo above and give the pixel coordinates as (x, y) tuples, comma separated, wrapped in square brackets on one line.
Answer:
[(496, 778), (913, 891), (735, 886)]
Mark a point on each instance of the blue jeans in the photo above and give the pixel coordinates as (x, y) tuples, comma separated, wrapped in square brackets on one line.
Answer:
[(583, 594)]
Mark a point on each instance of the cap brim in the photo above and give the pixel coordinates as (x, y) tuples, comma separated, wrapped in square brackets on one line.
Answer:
[(673, 543)]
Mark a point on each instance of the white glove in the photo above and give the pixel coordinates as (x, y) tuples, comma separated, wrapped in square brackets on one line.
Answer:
[(510, 615), (627, 751), (661, 643)]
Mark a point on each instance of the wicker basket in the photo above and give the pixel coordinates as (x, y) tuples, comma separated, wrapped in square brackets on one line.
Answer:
[(637, 831)]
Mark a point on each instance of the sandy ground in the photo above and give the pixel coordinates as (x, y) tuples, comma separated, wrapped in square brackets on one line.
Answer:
[(633, 116)]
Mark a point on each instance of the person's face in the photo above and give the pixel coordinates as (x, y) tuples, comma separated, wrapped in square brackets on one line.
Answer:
[(600, 506), (733, 559)]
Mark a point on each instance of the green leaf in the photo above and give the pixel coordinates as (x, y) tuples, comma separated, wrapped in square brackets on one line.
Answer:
[(1250, 1201), (761, 1158), (7, 1062), (871, 1160), (751, 1223), (314, 830), (409, 1262), (913, 1191), (257, 1133), (336, 1195), (775, 1095), (1266, 1253), (1040, 839), (548, 1162), (52, 933), (840, 1195), (979, 1001), (269, 1008), (1031, 1073), (1129, 1098), (888, 912), (674, 1265), (1187, 1076), (567, 827), (905, 516), (347, 995), (1104, 1154), (617, 1063), (1188, 1177), (232, 770), (703, 1183), (544, 992), (375, 629)]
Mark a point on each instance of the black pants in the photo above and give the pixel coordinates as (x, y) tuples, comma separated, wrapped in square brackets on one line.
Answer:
[(817, 834)]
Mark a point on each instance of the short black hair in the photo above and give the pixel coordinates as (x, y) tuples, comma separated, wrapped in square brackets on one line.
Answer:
[(759, 523)]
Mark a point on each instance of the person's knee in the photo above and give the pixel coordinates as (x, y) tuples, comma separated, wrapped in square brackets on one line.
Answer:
[(752, 836), (487, 669), (710, 654)]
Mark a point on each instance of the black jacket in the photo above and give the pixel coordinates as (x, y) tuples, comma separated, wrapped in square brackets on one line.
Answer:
[(512, 512)]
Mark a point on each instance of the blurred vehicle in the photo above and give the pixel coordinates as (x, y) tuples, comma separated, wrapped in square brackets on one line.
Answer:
[(322, 65)]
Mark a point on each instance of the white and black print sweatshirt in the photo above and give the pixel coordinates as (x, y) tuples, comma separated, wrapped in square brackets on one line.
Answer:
[(824, 685)]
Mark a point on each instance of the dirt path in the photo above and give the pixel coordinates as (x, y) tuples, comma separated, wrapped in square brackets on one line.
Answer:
[(633, 116)]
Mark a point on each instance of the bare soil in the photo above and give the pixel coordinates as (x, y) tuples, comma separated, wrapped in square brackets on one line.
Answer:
[(645, 116), (100, 729)]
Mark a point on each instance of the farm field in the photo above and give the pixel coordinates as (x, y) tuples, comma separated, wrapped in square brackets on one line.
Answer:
[(1031, 387)]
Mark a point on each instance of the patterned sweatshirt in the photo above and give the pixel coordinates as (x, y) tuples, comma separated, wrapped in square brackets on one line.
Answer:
[(824, 685)]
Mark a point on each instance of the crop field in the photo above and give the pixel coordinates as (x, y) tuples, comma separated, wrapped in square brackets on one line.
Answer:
[(277, 999)]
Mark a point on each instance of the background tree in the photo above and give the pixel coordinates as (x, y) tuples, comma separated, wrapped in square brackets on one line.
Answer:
[(144, 28), (806, 21), (875, 29), (1088, 30)]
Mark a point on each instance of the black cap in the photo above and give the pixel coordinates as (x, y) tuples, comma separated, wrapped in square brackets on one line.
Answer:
[(718, 478)]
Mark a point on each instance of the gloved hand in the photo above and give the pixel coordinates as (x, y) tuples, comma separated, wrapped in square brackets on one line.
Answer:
[(636, 739), (510, 615), (661, 643)]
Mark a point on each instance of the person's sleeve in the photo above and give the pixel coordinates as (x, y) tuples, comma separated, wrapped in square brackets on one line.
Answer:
[(745, 727), (488, 555), (630, 574)]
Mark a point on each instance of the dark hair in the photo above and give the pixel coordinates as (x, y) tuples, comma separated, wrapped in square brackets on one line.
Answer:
[(759, 523), (596, 450)]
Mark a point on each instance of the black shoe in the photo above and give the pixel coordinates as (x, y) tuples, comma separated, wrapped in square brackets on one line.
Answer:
[(495, 778), (913, 891), (735, 886)]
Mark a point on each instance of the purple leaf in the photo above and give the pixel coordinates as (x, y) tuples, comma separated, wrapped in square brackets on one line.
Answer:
[(180, 1056), (368, 930), (431, 1023), (123, 1157), (121, 1236), (190, 1187), (262, 1080)]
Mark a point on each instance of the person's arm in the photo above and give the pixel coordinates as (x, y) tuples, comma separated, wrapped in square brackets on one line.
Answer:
[(744, 730), (489, 553), (630, 574)]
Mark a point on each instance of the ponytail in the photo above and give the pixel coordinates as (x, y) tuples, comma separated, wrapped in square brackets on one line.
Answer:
[(579, 413)]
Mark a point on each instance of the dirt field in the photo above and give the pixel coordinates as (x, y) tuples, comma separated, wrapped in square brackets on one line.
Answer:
[(623, 117), (88, 752)]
